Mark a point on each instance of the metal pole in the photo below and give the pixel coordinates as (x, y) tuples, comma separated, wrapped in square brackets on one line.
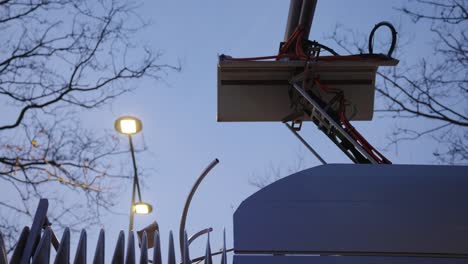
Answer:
[(135, 171), (307, 15), (309, 147), (132, 211), (136, 185), (200, 233), (189, 200), (293, 18)]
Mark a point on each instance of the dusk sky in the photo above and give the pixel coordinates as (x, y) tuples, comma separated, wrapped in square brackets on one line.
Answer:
[(179, 112), (179, 115)]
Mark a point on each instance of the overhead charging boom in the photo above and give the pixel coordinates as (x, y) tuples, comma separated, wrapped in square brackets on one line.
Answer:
[(301, 84)]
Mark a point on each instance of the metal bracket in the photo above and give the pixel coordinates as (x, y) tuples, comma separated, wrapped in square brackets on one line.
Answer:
[(328, 125)]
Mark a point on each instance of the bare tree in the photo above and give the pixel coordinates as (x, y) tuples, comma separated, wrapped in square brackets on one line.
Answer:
[(57, 58), (434, 88)]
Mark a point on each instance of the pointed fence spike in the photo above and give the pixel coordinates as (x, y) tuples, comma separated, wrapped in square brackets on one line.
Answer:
[(171, 259), (80, 256), (130, 259), (186, 257), (119, 252), (144, 249), (100, 247), (3, 253), (157, 259), (55, 241), (35, 231), (42, 254), (63, 251), (208, 258), (224, 255), (18, 252)]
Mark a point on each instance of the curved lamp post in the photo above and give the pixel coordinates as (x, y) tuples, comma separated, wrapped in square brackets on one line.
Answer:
[(129, 125), (183, 219)]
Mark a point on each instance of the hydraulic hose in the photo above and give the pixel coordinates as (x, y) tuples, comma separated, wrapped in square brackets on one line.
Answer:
[(394, 37)]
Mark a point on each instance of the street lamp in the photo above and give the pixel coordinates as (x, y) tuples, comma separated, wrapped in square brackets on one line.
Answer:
[(130, 125), (143, 208)]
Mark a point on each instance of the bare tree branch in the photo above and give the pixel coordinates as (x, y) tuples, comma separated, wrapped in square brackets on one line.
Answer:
[(61, 56), (436, 87)]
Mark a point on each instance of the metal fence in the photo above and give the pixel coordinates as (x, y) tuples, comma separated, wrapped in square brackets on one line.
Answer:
[(34, 246)]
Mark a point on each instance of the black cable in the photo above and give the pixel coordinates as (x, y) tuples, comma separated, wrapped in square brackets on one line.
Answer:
[(328, 49), (317, 44), (394, 37)]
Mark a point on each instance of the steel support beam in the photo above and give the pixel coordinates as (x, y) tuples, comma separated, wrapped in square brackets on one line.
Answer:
[(293, 18), (307, 15), (301, 12)]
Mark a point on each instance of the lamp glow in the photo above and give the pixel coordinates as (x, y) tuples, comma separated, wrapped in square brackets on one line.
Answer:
[(142, 208), (128, 125)]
